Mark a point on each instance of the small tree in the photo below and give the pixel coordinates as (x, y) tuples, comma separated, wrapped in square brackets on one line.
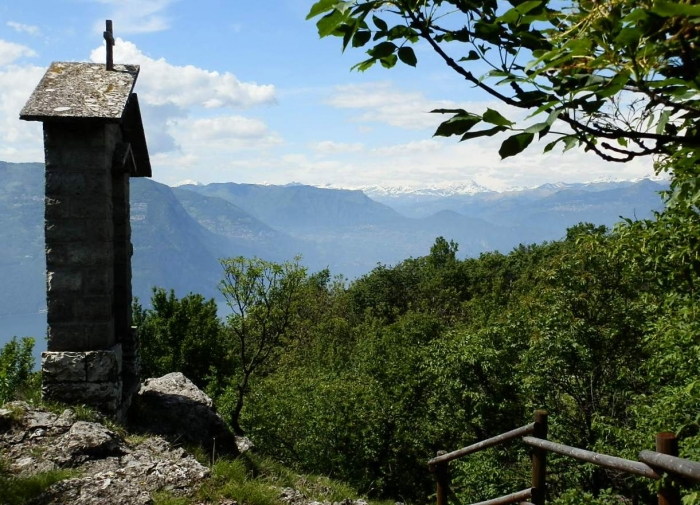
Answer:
[(16, 364), (181, 335), (263, 297)]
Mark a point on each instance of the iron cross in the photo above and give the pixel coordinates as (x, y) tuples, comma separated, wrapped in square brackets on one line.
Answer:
[(109, 37)]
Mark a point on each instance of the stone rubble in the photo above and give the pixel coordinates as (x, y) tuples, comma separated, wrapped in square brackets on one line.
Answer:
[(109, 469)]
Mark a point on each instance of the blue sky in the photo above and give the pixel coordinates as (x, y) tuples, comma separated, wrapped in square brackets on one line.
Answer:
[(247, 92)]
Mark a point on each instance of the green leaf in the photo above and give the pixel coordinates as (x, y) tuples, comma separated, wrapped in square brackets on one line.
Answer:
[(629, 36), (663, 120), (515, 144), (364, 65), (483, 133), (361, 38), (526, 7), (669, 9), (449, 111), (615, 85), (407, 56), (570, 142), (382, 50), (494, 117), (330, 22), (380, 23), (461, 35), (388, 61), (457, 125), (635, 16), (320, 7), (473, 55), (510, 16), (551, 145), (538, 127)]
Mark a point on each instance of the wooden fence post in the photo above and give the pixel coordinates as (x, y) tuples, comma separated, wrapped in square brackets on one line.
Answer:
[(667, 443), (539, 460), (442, 476)]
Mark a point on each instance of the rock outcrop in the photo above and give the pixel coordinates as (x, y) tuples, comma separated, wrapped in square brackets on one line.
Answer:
[(177, 408), (110, 469)]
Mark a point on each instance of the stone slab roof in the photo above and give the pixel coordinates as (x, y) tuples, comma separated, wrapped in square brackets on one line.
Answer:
[(81, 91)]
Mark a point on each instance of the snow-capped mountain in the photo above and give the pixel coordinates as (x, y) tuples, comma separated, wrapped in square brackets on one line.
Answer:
[(471, 188)]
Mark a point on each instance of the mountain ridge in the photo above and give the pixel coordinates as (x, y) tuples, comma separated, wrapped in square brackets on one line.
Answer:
[(179, 234)]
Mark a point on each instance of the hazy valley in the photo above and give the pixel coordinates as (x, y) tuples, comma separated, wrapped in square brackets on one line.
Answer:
[(180, 233)]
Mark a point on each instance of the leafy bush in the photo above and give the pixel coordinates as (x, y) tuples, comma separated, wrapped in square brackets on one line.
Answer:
[(16, 365)]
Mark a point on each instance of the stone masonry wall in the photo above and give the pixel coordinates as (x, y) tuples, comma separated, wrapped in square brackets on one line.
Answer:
[(84, 358)]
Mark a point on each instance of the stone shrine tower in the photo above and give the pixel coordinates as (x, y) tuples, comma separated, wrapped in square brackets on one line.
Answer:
[(93, 143)]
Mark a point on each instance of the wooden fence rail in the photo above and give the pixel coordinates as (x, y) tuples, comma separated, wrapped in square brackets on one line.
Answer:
[(651, 464)]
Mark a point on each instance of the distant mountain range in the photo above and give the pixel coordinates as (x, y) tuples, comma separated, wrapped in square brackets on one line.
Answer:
[(180, 233)]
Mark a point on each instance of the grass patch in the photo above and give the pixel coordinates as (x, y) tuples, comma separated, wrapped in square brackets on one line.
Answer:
[(19, 490), (165, 498), (314, 487), (234, 480)]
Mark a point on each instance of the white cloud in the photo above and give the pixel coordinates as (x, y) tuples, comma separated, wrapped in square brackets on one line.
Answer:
[(410, 148), (11, 52), (162, 83), (137, 16), (228, 132), (330, 147), (22, 28), (383, 102), (21, 140)]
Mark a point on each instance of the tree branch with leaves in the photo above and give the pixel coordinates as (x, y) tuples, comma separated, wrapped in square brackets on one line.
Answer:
[(263, 298), (621, 75)]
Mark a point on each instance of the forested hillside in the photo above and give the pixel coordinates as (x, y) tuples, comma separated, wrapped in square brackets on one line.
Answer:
[(366, 381)]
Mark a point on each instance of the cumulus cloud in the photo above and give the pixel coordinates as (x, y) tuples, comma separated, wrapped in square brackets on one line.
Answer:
[(21, 140), (231, 132), (330, 147), (11, 52), (410, 148), (382, 102), (137, 16), (187, 113), (22, 28), (162, 83)]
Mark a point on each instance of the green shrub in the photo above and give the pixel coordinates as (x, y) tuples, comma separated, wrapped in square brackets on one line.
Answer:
[(16, 365)]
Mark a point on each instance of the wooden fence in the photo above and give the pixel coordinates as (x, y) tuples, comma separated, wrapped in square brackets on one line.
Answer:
[(651, 464)]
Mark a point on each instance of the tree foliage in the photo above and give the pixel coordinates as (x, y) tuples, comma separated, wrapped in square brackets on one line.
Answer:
[(181, 335), (619, 78), (16, 365), (263, 297)]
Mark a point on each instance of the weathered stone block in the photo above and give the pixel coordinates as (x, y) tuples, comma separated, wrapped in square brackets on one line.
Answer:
[(58, 183), (104, 395), (122, 230), (64, 279), (98, 230), (73, 182), (56, 207), (67, 337), (100, 336), (65, 230), (60, 310), (74, 158), (97, 281), (79, 254), (95, 208), (63, 366), (94, 309), (104, 366)]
